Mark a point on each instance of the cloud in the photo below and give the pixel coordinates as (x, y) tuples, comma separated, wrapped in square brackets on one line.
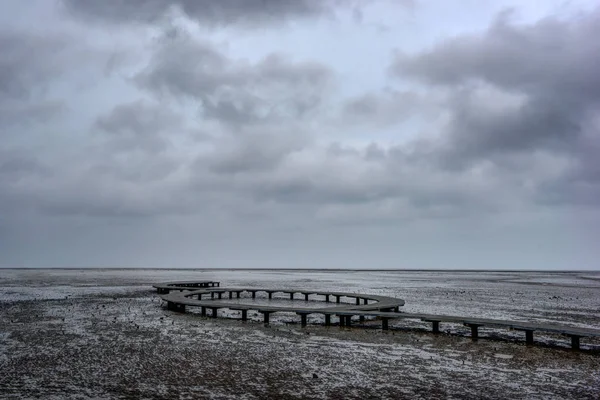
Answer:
[(546, 67), (139, 125), (481, 132), (204, 11), (28, 63), (234, 91), (382, 109), (244, 13)]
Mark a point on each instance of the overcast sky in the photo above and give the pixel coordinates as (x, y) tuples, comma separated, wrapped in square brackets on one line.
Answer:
[(300, 133)]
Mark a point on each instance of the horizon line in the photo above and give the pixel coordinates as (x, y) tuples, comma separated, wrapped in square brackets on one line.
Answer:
[(306, 269)]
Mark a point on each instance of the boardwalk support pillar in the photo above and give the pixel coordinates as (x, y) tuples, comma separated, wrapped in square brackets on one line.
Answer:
[(203, 311), (474, 331), (529, 337), (270, 295), (305, 296), (575, 342), (303, 320), (266, 317), (253, 294), (214, 312), (244, 315), (326, 298), (385, 324), (327, 319), (435, 326)]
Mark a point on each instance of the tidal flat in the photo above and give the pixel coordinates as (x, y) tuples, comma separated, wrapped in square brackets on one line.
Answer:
[(104, 333)]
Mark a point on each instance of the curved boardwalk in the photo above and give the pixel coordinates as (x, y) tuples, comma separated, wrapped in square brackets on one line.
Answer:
[(206, 296)]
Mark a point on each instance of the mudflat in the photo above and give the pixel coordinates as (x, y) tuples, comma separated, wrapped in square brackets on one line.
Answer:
[(106, 334)]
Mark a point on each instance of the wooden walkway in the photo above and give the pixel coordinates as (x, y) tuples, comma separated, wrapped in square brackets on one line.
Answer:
[(344, 307), (164, 288)]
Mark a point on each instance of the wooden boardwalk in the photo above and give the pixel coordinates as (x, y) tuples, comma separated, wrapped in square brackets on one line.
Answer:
[(344, 307)]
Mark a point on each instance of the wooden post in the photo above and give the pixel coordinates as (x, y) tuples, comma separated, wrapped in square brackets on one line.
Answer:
[(292, 296), (474, 331), (342, 321), (230, 294), (337, 299), (358, 301), (384, 324), (244, 315), (214, 312), (575, 342), (365, 301), (303, 320), (266, 317), (212, 295), (238, 294), (361, 319), (529, 337), (220, 294), (327, 298), (435, 326), (270, 295), (203, 311), (253, 294), (327, 319), (305, 296)]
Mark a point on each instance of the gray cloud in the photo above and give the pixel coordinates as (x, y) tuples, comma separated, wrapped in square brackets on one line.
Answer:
[(541, 58), (245, 13), (548, 65), (257, 149), (205, 11), (139, 125), (191, 142), (234, 91), (386, 108), (28, 63)]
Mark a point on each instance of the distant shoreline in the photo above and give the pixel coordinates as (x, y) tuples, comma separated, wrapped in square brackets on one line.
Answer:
[(303, 269)]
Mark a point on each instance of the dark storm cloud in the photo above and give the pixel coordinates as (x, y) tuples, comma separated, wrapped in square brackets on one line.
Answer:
[(259, 149), (247, 13), (477, 134), (139, 125), (551, 65), (205, 11), (28, 62), (233, 91), (386, 108)]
